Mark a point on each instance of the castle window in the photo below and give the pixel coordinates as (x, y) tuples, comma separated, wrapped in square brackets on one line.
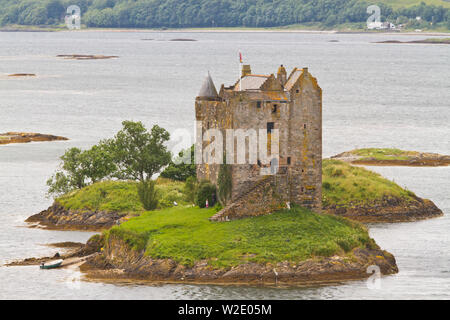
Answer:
[(303, 189), (288, 160), (304, 126), (303, 170), (270, 127), (259, 162), (274, 108), (297, 91), (258, 104)]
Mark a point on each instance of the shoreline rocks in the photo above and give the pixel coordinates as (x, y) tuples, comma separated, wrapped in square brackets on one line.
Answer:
[(25, 137), (119, 262), (56, 217), (388, 210)]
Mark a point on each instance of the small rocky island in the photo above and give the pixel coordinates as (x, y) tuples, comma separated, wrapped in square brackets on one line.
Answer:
[(85, 56), (25, 137), (425, 41), (22, 75), (393, 157)]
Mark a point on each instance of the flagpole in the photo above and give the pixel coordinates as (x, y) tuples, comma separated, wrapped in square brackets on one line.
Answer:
[(240, 71)]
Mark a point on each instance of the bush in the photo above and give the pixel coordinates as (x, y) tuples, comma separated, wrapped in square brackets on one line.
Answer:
[(206, 191), (178, 169), (224, 184), (190, 189), (148, 194)]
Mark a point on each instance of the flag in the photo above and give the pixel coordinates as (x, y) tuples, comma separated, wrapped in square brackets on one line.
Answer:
[(240, 57)]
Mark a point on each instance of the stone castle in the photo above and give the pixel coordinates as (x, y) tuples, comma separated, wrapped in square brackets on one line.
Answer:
[(293, 105)]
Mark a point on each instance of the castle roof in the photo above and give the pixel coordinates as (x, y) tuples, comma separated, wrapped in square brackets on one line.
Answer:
[(295, 75), (251, 82), (208, 89)]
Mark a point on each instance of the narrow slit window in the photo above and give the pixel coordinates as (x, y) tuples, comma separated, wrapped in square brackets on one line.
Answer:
[(258, 104), (288, 160)]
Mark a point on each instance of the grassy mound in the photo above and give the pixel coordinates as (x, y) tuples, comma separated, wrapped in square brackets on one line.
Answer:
[(185, 235), (120, 196), (344, 184), (384, 153)]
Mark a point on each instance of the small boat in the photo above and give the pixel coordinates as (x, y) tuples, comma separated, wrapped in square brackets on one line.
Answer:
[(51, 264)]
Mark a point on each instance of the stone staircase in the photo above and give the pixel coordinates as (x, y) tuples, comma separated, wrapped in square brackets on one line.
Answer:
[(230, 211)]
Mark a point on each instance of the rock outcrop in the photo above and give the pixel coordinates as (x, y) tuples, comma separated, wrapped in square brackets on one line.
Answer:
[(25, 137), (57, 217), (388, 209), (120, 262)]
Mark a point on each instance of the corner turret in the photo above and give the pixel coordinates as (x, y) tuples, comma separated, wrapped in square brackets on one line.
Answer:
[(208, 90)]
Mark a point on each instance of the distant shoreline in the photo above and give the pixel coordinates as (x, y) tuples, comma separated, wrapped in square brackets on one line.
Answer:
[(221, 30)]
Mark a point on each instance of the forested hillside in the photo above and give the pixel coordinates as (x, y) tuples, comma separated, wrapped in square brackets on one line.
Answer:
[(222, 13)]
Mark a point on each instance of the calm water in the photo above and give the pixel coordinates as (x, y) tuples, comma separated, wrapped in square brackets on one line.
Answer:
[(379, 95)]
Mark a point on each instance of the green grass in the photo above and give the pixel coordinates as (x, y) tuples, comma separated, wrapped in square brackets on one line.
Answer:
[(384, 153), (344, 184), (120, 196), (185, 235)]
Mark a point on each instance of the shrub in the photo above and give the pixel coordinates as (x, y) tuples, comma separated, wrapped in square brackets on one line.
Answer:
[(206, 191), (224, 184), (190, 189), (178, 169), (148, 194)]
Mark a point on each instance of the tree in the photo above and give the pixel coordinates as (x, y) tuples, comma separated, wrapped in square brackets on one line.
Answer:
[(137, 153), (81, 168), (178, 170)]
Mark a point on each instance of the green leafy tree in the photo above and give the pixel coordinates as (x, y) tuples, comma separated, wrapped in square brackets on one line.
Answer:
[(178, 169), (81, 168), (137, 153)]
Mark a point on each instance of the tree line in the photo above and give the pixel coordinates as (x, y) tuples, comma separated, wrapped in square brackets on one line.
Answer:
[(211, 13)]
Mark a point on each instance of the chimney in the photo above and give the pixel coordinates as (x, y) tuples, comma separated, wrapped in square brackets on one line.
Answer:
[(246, 70), (282, 75)]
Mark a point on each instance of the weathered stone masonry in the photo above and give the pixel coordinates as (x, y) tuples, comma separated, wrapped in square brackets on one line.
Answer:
[(293, 105)]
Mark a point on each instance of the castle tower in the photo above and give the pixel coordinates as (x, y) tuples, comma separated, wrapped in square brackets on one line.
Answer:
[(292, 106)]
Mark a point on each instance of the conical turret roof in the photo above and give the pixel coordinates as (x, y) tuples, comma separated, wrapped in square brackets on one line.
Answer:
[(208, 89)]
